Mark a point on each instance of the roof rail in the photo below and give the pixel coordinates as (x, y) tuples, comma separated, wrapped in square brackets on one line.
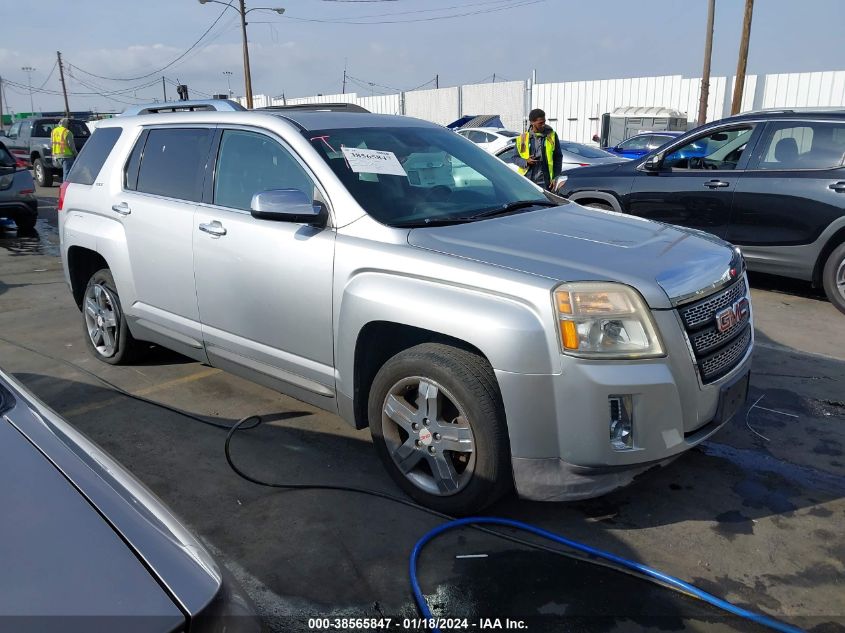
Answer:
[(318, 107), (794, 110), (191, 105)]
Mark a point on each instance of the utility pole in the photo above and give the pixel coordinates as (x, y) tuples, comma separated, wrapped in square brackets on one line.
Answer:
[(437, 81), (164, 90), (29, 70), (62, 76), (1, 104), (247, 74), (742, 63), (343, 90), (705, 74), (494, 77)]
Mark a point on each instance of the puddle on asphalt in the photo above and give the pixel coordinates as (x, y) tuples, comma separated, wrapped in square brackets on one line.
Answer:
[(44, 240)]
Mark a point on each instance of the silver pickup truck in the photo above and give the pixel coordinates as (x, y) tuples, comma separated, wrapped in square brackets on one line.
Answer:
[(489, 334)]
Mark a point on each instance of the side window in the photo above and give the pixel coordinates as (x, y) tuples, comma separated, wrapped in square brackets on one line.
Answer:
[(93, 156), (249, 163), (717, 150), (805, 145), (475, 136), (174, 162), (658, 141), (489, 138), (14, 130), (636, 142), (43, 129), (508, 156)]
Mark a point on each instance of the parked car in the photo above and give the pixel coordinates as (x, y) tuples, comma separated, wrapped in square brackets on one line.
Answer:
[(573, 155), (17, 192), (86, 547), (29, 140), (771, 182), (488, 336), (642, 144), (488, 138)]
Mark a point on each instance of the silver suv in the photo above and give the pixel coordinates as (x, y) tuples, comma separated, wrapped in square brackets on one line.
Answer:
[(383, 268)]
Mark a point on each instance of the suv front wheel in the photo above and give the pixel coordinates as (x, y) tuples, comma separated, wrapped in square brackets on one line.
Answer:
[(833, 277), (106, 332), (438, 425)]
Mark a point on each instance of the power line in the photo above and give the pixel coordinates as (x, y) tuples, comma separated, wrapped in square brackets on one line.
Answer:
[(50, 74), (353, 21), (158, 71)]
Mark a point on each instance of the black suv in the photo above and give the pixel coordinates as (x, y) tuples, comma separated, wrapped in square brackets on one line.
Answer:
[(772, 182)]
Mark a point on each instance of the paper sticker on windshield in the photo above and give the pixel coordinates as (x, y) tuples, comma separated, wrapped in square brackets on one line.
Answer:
[(373, 161)]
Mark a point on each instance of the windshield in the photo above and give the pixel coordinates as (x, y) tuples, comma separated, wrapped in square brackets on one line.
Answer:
[(418, 175)]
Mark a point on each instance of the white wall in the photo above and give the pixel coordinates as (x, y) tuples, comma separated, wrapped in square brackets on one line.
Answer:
[(574, 108)]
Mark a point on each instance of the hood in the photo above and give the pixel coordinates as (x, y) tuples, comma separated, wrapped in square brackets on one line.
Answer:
[(572, 243)]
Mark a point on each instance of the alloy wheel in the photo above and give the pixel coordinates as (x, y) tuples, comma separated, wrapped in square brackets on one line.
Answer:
[(428, 436), (102, 319)]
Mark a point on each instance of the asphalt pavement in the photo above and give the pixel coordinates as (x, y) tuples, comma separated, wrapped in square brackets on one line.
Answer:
[(755, 515)]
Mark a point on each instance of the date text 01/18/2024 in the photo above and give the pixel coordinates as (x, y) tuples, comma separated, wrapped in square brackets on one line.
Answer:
[(385, 624)]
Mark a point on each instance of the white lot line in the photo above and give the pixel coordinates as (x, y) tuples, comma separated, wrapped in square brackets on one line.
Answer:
[(755, 406)]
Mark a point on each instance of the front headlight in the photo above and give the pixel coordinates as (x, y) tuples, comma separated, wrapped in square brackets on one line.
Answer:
[(605, 320), (6, 181), (560, 182)]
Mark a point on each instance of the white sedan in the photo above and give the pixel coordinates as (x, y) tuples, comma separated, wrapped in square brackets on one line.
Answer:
[(489, 139)]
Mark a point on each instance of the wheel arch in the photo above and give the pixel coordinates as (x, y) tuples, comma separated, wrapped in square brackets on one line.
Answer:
[(584, 197), (82, 263), (830, 245)]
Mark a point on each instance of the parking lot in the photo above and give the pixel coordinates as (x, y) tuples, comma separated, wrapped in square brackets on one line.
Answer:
[(754, 515)]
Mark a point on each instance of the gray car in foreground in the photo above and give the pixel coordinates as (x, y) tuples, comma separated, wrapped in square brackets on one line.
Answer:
[(489, 334), (86, 547)]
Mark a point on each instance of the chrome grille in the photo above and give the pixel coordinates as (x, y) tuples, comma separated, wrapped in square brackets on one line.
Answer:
[(716, 353), (710, 338), (697, 314), (717, 365)]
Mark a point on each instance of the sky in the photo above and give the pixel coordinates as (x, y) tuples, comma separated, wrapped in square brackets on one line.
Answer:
[(389, 44)]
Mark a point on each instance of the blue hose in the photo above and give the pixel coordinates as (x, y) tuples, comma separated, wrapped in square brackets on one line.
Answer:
[(671, 581)]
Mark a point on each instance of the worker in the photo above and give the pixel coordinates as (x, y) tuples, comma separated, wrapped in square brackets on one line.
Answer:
[(539, 157), (64, 148)]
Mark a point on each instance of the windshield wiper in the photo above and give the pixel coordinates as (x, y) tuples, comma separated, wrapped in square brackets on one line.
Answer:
[(487, 213), (511, 206)]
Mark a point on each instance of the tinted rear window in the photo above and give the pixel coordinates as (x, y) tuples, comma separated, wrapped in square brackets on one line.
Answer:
[(90, 161), (44, 127), (173, 162)]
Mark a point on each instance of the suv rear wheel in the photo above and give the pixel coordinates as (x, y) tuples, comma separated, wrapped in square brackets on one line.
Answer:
[(106, 332), (833, 277), (438, 425)]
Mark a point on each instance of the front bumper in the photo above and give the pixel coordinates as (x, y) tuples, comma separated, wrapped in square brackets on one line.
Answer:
[(559, 424)]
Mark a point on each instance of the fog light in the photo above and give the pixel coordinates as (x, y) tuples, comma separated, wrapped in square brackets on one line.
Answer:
[(621, 422)]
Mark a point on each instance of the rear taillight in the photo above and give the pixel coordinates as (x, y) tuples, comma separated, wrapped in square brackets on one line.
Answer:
[(62, 191)]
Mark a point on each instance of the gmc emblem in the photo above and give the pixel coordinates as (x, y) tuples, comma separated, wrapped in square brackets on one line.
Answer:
[(733, 314)]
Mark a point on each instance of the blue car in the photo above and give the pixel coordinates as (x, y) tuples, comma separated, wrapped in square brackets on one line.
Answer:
[(642, 144)]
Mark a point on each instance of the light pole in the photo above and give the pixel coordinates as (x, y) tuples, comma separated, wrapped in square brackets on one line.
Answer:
[(29, 70), (243, 11), (228, 74)]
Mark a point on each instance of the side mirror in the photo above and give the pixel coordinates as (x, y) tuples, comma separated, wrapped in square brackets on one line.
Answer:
[(287, 205), (653, 162)]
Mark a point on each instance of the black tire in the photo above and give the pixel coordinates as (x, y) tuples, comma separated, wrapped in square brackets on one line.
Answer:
[(26, 224), (127, 350), (833, 277), (469, 380), (596, 205), (43, 175)]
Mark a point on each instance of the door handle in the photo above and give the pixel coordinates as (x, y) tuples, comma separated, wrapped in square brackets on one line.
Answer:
[(716, 184), (838, 187), (122, 208), (213, 228)]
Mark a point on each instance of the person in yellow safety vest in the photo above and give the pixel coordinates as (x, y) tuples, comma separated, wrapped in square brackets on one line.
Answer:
[(64, 147), (538, 151)]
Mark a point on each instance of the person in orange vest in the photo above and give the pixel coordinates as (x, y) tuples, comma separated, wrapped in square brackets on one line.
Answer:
[(538, 151), (64, 147)]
